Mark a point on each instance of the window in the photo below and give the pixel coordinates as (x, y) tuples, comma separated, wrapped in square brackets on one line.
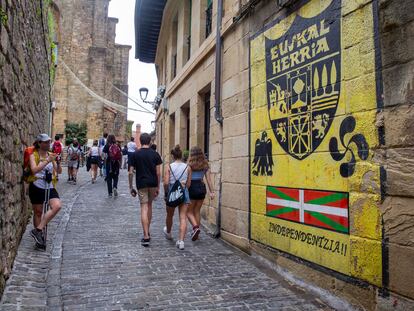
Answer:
[(189, 30), (174, 48), (185, 126), (172, 132), (207, 96), (174, 65), (209, 17)]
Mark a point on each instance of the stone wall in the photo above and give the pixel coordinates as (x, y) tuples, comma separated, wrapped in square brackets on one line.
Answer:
[(87, 46), (397, 44), (24, 101)]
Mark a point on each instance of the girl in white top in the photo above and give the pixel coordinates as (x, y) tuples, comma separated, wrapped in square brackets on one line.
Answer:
[(43, 167), (95, 155), (181, 171)]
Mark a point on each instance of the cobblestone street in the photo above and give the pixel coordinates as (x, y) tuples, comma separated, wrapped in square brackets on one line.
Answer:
[(95, 262)]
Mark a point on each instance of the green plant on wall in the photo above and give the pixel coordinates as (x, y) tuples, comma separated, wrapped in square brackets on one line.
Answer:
[(76, 130), (3, 17), (51, 23)]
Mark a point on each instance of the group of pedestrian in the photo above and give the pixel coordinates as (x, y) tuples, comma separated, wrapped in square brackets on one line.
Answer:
[(184, 188), (183, 182)]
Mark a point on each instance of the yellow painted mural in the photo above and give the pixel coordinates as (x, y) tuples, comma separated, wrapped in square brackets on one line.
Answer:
[(315, 188)]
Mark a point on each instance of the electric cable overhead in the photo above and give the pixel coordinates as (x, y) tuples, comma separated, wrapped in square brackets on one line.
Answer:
[(107, 102), (133, 100)]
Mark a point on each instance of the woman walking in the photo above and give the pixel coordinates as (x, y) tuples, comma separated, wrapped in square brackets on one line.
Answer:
[(95, 155), (177, 171), (197, 191), (113, 163)]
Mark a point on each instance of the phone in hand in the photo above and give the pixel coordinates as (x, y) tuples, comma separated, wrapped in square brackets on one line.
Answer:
[(134, 193)]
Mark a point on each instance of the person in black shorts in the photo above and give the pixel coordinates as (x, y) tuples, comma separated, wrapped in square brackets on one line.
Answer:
[(200, 171), (44, 170)]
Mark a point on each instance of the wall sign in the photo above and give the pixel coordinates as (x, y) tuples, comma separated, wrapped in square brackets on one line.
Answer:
[(314, 186)]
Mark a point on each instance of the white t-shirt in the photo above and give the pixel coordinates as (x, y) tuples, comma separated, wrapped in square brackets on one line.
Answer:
[(40, 181), (94, 151), (132, 146)]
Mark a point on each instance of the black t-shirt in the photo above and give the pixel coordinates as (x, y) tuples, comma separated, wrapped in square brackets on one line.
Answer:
[(145, 161)]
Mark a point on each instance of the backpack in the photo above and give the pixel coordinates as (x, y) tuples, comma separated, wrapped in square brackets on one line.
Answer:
[(27, 172), (74, 156), (57, 148), (115, 153), (175, 196), (28, 176)]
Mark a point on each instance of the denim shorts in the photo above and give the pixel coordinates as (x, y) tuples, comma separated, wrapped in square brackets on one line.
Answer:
[(186, 194)]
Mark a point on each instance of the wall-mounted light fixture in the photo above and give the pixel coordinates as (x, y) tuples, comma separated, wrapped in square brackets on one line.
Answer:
[(143, 93)]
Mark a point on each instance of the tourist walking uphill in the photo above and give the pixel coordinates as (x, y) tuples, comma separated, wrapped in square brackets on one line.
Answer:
[(101, 145), (42, 178), (113, 161), (73, 159), (131, 147), (147, 165), (177, 179), (94, 155), (57, 149), (200, 170)]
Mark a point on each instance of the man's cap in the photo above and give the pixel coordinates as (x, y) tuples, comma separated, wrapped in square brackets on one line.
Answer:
[(43, 137)]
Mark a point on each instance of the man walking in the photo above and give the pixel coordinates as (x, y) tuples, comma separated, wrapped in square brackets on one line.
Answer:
[(101, 145), (57, 149), (147, 165)]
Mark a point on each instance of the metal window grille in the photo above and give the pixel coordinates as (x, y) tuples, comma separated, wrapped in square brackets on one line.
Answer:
[(209, 18), (174, 65)]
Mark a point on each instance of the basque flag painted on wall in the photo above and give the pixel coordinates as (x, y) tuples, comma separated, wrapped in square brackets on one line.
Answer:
[(323, 209)]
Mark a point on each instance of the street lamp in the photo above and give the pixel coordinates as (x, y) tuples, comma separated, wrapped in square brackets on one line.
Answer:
[(143, 93)]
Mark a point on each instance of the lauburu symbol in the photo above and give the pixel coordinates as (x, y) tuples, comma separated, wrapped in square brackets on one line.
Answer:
[(348, 126)]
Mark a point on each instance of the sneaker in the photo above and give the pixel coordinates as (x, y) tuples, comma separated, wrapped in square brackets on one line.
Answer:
[(115, 192), (180, 245), (110, 195), (195, 233), (37, 235), (145, 242), (167, 235)]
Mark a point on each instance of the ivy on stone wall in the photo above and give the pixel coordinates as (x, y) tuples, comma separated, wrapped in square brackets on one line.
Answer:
[(76, 130)]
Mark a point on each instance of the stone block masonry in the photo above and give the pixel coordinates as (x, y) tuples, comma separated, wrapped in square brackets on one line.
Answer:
[(24, 101), (87, 46), (396, 27)]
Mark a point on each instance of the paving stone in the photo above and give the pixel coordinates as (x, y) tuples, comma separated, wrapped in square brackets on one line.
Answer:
[(101, 265)]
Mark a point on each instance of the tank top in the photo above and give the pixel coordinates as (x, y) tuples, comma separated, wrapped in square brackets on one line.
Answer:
[(95, 151), (178, 168), (198, 175), (40, 181)]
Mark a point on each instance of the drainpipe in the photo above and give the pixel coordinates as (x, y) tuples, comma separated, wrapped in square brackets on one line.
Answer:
[(217, 106)]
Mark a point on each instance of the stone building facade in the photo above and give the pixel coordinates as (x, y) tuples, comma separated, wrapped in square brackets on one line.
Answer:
[(86, 41), (309, 132), (25, 64)]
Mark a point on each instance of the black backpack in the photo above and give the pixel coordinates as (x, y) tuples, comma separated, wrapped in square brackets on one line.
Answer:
[(175, 196)]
